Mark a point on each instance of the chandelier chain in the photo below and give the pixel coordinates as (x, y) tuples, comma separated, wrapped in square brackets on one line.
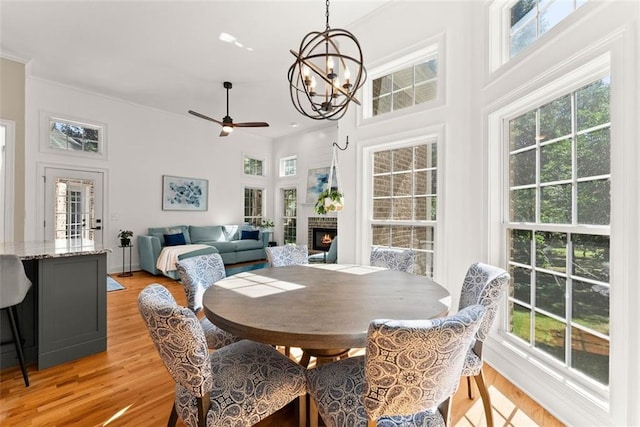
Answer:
[(327, 14)]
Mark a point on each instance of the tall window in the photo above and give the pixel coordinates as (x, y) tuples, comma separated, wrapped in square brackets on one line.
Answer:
[(558, 229), (288, 166), (253, 166), (405, 88), (530, 19), (74, 136), (253, 206), (405, 201), (289, 217)]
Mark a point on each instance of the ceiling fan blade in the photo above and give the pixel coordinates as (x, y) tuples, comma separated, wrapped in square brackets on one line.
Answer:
[(202, 116), (251, 125)]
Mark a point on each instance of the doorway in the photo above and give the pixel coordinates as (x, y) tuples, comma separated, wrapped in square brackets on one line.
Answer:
[(73, 206)]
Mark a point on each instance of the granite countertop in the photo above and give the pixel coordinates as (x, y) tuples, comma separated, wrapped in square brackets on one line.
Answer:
[(51, 249)]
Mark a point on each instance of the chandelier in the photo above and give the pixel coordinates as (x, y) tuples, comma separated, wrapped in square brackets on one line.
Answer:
[(324, 58)]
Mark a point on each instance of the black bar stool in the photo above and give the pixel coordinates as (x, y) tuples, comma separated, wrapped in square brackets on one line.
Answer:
[(14, 285)]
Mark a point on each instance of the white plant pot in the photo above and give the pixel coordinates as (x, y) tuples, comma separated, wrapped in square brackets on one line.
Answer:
[(333, 205)]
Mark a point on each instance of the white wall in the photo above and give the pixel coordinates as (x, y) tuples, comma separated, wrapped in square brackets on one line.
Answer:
[(460, 220), (143, 145)]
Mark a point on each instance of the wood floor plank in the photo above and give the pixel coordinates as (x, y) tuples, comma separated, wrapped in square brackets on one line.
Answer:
[(129, 386)]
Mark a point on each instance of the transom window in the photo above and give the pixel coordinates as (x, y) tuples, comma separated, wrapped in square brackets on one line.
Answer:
[(404, 202), (530, 19), (253, 166), (558, 230), (289, 217), (74, 136), (405, 88), (288, 166), (253, 206)]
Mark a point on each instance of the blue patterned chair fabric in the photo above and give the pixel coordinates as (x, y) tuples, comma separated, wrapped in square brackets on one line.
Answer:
[(238, 385), (280, 256), (395, 259), (197, 274), (485, 285), (411, 367)]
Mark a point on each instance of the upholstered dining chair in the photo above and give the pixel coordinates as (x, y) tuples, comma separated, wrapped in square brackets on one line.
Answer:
[(197, 274), (280, 256), (14, 285), (407, 377), (395, 259), (237, 385), (485, 285)]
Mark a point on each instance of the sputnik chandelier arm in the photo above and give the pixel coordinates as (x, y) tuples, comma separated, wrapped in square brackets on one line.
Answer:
[(320, 59)]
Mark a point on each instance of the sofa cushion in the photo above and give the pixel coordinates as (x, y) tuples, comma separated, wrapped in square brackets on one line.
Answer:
[(224, 247), (159, 232), (249, 234), (208, 233), (247, 244), (174, 239)]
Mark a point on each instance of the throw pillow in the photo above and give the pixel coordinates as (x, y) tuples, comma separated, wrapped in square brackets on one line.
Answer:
[(250, 235), (174, 239)]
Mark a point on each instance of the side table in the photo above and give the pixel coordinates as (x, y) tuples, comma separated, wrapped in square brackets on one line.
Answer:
[(124, 272)]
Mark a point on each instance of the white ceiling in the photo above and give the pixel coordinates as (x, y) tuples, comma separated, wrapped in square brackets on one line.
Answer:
[(167, 54)]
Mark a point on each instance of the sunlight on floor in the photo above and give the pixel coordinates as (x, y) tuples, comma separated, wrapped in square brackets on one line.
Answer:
[(117, 415), (505, 413)]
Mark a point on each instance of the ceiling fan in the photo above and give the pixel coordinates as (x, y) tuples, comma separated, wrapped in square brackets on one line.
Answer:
[(227, 122)]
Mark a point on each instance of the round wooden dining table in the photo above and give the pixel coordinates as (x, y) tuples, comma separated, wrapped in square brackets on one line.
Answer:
[(325, 309)]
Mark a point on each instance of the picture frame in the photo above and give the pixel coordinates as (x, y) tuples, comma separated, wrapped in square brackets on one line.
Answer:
[(184, 194), (316, 182)]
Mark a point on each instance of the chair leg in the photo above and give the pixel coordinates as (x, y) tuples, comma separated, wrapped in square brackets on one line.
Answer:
[(305, 359), (313, 413), (486, 400), (469, 389), (13, 321), (302, 410), (173, 418)]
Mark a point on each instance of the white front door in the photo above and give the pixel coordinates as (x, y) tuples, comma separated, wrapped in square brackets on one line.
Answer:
[(73, 206)]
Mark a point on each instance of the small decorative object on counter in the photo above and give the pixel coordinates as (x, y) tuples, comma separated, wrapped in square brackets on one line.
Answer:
[(125, 237)]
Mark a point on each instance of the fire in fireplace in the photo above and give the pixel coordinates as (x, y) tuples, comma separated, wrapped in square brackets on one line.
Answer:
[(322, 238)]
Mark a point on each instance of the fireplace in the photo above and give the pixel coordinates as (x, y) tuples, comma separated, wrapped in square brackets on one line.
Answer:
[(322, 238)]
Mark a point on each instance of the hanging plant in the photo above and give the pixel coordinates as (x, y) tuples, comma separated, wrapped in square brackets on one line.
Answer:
[(330, 200)]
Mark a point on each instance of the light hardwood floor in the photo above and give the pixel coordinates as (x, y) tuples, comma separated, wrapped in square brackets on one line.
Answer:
[(128, 386)]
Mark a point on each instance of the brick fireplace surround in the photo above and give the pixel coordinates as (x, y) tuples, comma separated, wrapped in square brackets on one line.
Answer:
[(319, 222)]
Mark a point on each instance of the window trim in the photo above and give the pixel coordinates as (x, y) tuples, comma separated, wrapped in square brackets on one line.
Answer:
[(410, 138), (260, 157), (511, 352), (281, 166), (408, 57), (45, 119), (264, 200)]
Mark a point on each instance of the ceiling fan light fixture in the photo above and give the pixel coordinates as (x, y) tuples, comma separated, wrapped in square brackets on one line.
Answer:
[(314, 78), (227, 129)]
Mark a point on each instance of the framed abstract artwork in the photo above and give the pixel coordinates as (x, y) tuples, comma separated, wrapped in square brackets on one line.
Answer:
[(316, 182), (184, 194)]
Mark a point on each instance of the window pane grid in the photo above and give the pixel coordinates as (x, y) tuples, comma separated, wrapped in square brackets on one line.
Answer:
[(532, 18), (253, 166), (404, 201), (405, 88), (290, 202), (72, 136), (253, 199), (558, 229)]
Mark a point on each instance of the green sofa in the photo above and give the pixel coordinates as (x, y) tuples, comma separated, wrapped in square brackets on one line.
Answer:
[(227, 240)]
